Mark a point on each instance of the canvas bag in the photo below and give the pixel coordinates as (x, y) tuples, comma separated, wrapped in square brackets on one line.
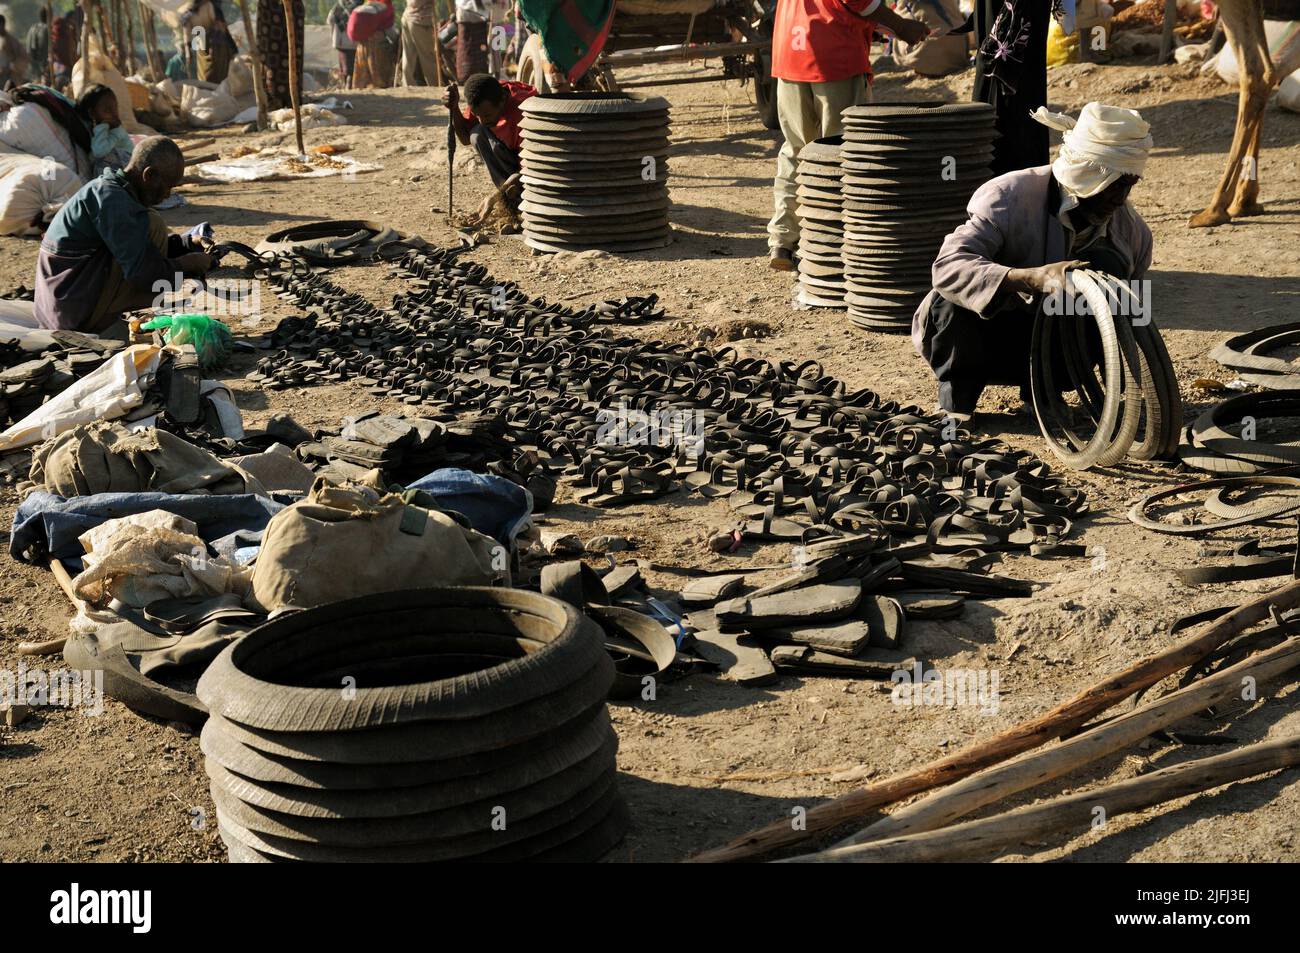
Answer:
[(342, 542)]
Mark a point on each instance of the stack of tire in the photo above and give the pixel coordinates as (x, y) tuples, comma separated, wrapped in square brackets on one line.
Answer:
[(908, 172), (425, 725), (821, 224), (595, 172)]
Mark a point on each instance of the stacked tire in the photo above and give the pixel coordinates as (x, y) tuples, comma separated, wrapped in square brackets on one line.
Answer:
[(908, 172), (821, 224), (595, 172), (425, 725)]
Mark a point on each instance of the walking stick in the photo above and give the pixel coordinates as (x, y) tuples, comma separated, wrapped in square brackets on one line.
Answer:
[(451, 164), (291, 29), (437, 46)]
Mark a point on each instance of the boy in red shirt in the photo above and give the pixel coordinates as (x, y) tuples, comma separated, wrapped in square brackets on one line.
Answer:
[(492, 122), (821, 61)]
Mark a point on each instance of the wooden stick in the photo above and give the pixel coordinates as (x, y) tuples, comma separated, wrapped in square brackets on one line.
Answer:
[(259, 80), (437, 47), (150, 29), (130, 34), (1076, 811), (1001, 781), (85, 43), (53, 646), (291, 29), (49, 44), (1029, 734)]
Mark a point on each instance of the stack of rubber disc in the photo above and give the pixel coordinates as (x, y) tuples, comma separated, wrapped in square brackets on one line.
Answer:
[(595, 172), (821, 230), (908, 172)]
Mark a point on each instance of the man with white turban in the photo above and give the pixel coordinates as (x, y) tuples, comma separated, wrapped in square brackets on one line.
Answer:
[(1023, 231)]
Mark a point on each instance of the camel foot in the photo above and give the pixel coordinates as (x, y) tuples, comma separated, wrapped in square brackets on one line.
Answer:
[(1209, 218), (1245, 208)]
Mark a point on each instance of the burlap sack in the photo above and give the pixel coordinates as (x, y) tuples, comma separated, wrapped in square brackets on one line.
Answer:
[(109, 458), (342, 542)]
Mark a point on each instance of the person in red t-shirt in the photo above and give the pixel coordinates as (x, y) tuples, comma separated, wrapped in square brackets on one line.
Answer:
[(491, 123), (821, 61)]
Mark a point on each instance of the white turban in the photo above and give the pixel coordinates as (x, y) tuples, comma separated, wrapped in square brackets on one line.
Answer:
[(1104, 143)]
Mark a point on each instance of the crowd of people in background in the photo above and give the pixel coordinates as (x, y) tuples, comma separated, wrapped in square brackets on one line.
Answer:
[(432, 43)]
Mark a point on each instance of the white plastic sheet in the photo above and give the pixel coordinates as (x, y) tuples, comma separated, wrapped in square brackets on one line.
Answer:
[(108, 392), (270, 165)]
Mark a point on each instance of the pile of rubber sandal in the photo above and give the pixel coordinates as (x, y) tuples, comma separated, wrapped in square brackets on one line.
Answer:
[(821, 224), (439, 724), (1224, 439), (798, 455), (29, 377), (1116, 366), (595, 172), (908, 172), (1248, 355)]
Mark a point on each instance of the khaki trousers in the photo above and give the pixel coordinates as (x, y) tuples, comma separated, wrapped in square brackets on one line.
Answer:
[(807, 111), (417, 54)]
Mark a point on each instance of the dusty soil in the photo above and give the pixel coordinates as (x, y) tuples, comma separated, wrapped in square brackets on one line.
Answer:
[(708, 759)]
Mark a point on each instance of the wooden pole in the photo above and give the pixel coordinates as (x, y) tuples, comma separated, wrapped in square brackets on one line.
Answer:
[(1030, 770), (150, 30), (130, 35), (437, 45), (85, 42), (49, 43), (291, 29), (1167, 31), (1079, 812), (259, 80), (119, 35), (1061, 720), (105, 46)]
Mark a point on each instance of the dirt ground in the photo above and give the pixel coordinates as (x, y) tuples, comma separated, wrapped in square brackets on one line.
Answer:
[(708, 760)]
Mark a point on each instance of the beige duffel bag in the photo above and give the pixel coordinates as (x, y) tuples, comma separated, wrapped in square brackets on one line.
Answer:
[(342, 542)]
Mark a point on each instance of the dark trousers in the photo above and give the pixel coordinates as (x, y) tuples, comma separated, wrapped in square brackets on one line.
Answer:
[(968, 351), (502, 162)]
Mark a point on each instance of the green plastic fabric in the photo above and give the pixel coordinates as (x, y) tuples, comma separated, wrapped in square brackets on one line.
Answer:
[(573, 32), (212, 340)]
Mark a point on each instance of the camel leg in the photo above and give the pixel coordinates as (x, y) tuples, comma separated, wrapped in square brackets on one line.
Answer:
[(1244, 28), (1246, 202), (1250, 110)]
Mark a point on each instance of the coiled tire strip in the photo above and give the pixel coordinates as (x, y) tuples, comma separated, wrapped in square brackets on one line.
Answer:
[(1138, 511), (1137, 381), (1210, 446)]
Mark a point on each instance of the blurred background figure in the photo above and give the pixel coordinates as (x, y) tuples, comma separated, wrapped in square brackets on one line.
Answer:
[(273, 45), (38, 47), (419, 21), (13, 58), (344, 44)]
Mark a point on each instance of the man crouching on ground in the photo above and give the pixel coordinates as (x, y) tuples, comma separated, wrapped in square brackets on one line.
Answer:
[(1024, 231), (491, 124), (107, 251)]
